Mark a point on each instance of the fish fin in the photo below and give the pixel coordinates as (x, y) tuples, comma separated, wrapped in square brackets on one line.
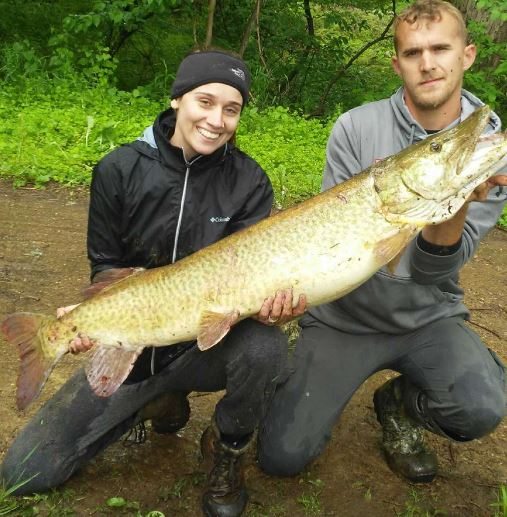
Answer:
[(107, 278), (214, 326), (109, 367), (21, 329), (389, 250), (393, 263)]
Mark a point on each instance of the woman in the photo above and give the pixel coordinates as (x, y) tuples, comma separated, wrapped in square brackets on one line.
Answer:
[(181, 186)]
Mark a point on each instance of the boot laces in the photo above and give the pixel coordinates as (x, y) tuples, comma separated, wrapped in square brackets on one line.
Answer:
[(136, 436), (225, 476)]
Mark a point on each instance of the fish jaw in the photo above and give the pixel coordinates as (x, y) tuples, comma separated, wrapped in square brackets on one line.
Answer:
[(442, 157), (429, 182)]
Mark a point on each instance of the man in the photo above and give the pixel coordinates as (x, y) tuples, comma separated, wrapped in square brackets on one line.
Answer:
[(411, 321)]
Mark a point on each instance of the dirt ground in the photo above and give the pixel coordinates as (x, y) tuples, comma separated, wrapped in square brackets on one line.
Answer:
[(43, 266)]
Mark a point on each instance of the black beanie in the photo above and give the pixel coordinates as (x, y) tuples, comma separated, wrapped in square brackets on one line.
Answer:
[(211, 66)]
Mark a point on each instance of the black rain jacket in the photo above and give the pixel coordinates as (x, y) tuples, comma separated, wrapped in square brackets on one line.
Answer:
[(150, 207)]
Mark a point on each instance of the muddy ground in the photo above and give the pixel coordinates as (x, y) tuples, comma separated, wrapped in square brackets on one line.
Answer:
[(43, 266)]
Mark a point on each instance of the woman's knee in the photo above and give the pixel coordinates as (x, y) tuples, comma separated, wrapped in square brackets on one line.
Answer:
[(25, 472)]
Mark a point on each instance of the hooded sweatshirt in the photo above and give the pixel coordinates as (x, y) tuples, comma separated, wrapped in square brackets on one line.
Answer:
[(424, 287)]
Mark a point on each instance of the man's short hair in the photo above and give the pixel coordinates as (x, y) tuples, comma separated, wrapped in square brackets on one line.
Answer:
[(429, 11)]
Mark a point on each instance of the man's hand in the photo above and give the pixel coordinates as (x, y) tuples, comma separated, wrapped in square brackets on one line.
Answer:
[(449, 232), (81, 343), (481, 191), (278, 309)]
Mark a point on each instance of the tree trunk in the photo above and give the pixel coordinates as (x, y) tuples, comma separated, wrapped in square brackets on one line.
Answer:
[(249, 26), (309, 19), (209, 28)]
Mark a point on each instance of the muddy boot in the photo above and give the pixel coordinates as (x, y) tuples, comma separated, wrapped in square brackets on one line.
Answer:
[(225, 494), (168, 413), (403, 437)]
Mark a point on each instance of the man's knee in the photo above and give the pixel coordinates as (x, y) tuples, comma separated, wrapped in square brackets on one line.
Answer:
[(476, 410), (278, 461), (471, 423), (284, 452)]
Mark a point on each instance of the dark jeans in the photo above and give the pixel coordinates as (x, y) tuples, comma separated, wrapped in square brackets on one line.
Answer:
[(464, 382), (75, 425)]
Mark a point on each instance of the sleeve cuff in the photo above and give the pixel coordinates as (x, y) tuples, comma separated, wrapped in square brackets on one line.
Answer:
[(436, 249)]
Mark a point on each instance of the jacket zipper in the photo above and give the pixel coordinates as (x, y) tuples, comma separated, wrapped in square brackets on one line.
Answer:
[(177, 234)]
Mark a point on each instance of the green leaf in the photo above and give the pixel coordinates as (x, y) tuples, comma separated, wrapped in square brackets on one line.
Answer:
[(116, 502)]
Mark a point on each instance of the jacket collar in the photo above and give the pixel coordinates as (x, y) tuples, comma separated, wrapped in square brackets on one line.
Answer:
[(158, 136), (415, 132)]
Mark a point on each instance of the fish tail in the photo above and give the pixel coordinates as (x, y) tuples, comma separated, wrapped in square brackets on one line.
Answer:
[(36, 361)]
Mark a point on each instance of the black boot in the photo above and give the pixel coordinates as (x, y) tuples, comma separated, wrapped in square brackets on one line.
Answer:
[(168, 413), (403, 436), (225, 494)]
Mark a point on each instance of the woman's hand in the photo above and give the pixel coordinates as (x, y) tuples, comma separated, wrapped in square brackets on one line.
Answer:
[(81, 343)]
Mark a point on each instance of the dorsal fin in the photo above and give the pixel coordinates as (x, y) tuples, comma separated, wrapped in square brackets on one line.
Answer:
[(107, 278)]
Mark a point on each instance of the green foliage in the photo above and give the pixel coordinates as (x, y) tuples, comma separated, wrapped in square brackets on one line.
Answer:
[(488, 76), (500, 505), (97, 49), (497, 8), (418, 506), (87, 120), (502, 222), (310, 498), (289, 147), (59, 133), (137, 44)]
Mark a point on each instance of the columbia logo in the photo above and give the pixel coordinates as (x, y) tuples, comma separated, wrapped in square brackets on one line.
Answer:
[(238, 72), (220, 219)]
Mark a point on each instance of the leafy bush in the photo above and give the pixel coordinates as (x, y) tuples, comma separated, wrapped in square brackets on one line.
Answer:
[(56, 130), (59, 134), (502, 222), (290, 148)]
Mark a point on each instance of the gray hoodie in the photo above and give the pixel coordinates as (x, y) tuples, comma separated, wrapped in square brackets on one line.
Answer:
[(424, 287)]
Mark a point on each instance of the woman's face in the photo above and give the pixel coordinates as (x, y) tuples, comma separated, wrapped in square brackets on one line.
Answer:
[(206, 118)]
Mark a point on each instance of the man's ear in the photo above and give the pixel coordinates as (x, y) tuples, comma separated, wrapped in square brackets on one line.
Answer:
[(174, 104), (395, 64), (469, 54)]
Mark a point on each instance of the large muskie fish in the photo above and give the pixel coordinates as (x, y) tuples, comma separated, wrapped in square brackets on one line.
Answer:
[(324, 247)]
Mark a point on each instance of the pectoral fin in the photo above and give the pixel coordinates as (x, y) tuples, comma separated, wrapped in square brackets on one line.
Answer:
[(389, 250), (214, 326), (109, 367)]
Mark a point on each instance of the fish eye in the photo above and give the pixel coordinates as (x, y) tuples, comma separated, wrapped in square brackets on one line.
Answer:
[(436, 146)]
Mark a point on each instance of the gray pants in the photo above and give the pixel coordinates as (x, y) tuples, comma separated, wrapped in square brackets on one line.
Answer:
[(75, 425), (463, 380)]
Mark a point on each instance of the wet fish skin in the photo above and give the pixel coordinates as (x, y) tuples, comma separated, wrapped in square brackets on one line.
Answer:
[(324, 247)]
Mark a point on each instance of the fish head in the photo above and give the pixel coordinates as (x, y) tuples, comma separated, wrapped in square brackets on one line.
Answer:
[(428, 182)]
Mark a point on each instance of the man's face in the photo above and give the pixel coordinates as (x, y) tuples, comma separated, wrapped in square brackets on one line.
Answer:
[(431, 59), (206, 118)]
